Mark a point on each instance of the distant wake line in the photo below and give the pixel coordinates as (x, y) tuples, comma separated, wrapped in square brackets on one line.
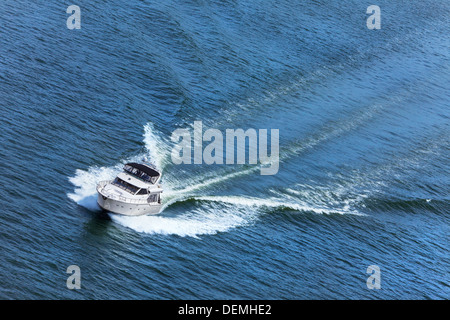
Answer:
[(294, 148)]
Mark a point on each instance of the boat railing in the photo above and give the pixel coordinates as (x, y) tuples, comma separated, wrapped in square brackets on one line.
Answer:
[(129, 200), (102, 184)]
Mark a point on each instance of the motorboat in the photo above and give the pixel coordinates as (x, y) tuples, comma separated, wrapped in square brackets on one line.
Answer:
[(134, 192)]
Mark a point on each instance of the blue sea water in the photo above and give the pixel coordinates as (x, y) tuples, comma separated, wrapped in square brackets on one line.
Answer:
[(363, 117)]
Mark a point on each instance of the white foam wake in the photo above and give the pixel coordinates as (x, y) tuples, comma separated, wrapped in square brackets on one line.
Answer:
[(85, 182), (157, 149), (217, 214), (211, 215), (277, 203), (205, 219)]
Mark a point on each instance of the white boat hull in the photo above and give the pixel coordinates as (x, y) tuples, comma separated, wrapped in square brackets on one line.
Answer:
[(128, 209)]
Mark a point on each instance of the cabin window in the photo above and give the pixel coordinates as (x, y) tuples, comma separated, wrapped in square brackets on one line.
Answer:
[(125, 185), (153, 179), (153, 197), (142, 191)]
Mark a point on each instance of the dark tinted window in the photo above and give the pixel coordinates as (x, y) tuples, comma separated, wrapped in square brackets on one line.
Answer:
[(125, 185), (142, 191)]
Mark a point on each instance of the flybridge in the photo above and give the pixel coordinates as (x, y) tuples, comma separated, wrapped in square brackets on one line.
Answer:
[(213, 153), (142, 171)]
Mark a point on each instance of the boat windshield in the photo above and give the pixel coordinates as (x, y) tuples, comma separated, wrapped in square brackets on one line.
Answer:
[(140, 174), (125, 185), (142, 191)]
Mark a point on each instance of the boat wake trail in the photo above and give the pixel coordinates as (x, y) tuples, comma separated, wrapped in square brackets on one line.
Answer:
[(214, 214), (204, 219), (210, 214)]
